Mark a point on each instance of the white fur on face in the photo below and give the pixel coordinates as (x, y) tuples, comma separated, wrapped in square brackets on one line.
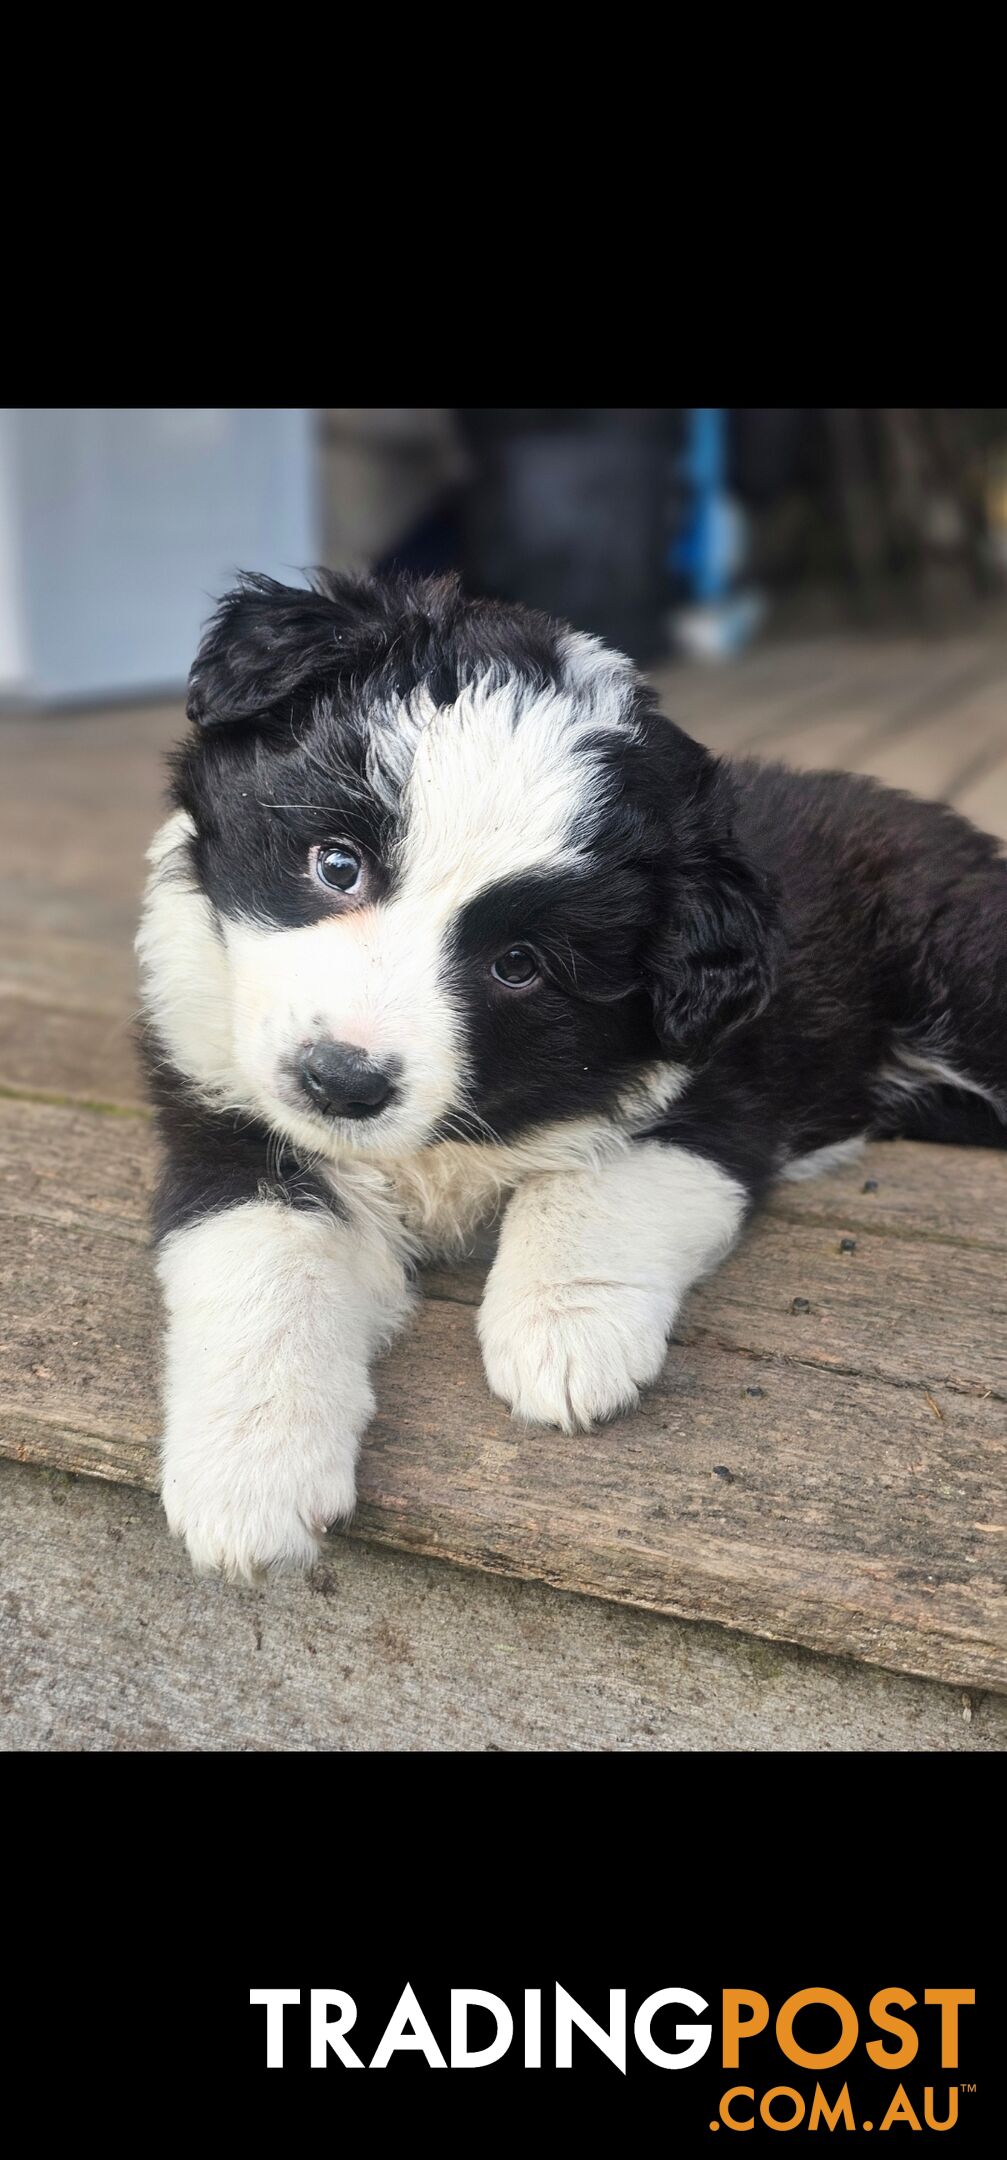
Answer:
[(495, 789), (590, 1272), (183, 969), (274, 1314)]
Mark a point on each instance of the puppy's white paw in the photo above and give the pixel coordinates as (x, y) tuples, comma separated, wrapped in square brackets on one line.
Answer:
[(247, 1507), (274, 1314), (572, 1353)]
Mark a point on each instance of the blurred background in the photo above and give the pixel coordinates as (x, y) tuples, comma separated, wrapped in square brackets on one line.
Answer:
[(673, 533), (823, 586)]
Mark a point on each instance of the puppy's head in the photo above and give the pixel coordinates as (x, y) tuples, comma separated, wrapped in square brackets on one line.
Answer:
[(467, 879)]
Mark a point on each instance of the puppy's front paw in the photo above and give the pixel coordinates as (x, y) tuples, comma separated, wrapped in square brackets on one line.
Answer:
[(571, 1353), (248, 1506)]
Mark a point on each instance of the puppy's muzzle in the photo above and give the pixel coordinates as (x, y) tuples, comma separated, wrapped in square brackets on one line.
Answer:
[(342, 1081)]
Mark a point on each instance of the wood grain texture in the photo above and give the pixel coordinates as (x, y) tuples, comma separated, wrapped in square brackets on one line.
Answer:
[(833, 1478), (82, 795)]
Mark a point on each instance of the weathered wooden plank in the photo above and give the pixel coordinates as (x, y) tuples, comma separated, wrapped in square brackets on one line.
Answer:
[(861, 1510), (82, 1053), (903, 1309), (854, 693), (70, 1168), (914, 1312), (829, 741), (898, 1189), (762, 670), (929, 757), (84, 965), (851, 1519), (81, 797), (741, 724)]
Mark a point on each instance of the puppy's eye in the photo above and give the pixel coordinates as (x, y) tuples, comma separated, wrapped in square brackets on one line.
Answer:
[(339, 867), (515, 967)]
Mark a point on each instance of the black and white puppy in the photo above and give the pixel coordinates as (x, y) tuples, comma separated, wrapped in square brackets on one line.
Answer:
[(449, 920)]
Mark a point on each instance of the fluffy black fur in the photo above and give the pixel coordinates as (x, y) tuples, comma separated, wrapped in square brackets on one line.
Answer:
[(787, 937), (216, 1159)]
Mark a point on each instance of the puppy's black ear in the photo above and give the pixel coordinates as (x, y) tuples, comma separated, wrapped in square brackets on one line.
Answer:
[(713, 963), (268, 646)]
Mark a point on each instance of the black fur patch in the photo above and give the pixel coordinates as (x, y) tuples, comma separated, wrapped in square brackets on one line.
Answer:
[(216, 1159), (564, 1046)]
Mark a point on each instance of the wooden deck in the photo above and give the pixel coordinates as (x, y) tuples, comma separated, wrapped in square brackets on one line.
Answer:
[(823, 1459)]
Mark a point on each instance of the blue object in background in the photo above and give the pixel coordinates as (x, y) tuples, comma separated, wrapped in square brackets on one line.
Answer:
[(703, 554), (709, 552), (122, 526)]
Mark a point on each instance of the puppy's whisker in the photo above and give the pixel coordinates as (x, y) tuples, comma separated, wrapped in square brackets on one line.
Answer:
[(468, 1112)]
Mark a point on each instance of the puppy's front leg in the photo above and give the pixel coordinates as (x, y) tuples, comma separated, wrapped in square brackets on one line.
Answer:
[(590, 1271), (274, 1314)]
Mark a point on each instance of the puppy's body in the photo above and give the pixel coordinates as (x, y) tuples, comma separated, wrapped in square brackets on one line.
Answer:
[(447, 921)]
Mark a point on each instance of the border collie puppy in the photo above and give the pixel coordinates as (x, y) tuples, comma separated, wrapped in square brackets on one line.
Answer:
[(448, 921)]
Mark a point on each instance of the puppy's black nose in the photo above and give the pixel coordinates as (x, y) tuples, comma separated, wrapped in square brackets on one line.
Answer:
[(344, 1082)]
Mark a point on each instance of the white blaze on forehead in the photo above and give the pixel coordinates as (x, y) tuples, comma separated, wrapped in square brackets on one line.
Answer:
[(502, 782), (601, 681)]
